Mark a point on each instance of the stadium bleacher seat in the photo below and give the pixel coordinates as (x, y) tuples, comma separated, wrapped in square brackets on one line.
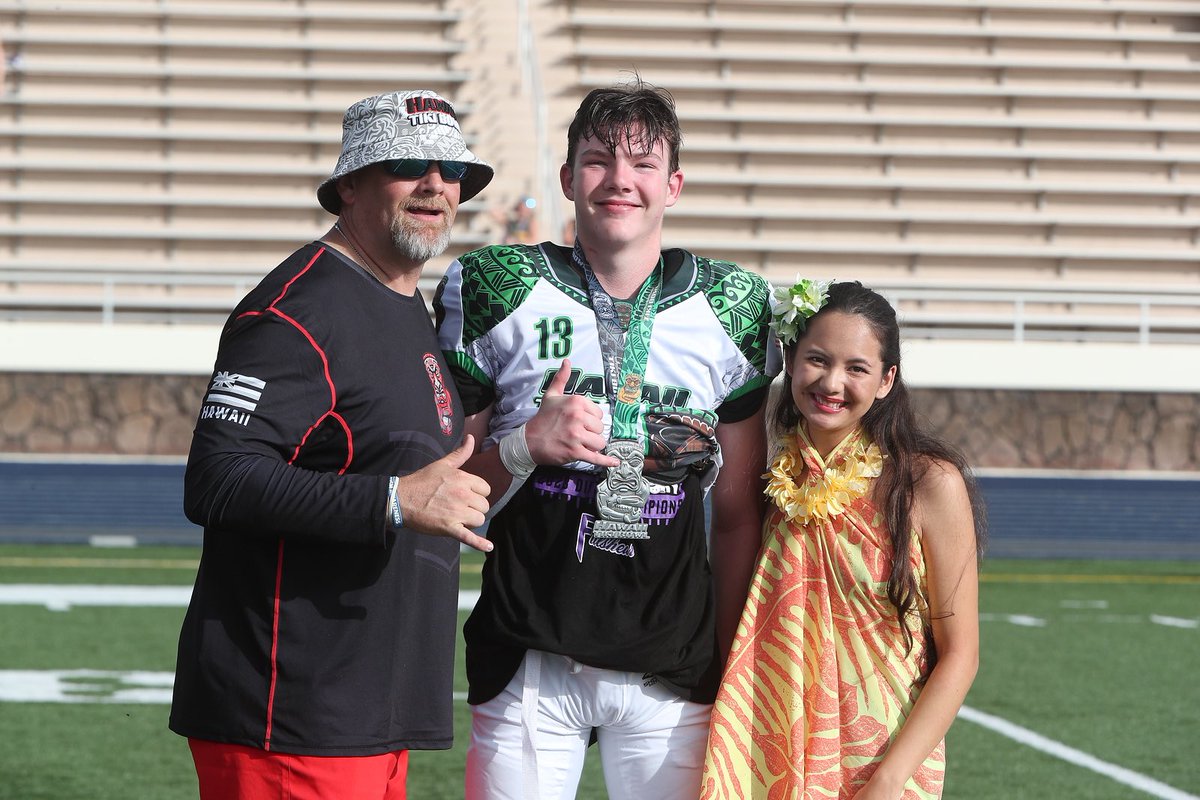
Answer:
[(938, 144)]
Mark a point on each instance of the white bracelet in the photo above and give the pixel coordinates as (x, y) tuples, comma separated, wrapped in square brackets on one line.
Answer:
[(394, 503), (514, 454)]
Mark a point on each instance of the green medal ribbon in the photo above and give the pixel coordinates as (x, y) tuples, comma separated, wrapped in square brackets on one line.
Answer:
[(625, 353), (622, 494)]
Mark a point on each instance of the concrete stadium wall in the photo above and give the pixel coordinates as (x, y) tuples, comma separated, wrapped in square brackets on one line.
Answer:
[(57, 413)]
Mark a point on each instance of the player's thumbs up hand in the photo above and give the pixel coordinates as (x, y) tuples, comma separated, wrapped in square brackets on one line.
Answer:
[(567, 427)]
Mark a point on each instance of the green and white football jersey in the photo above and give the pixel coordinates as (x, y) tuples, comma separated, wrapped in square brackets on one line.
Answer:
[(509, 315)]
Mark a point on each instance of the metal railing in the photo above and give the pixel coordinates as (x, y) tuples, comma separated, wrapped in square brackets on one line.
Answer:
[(1104, 314), (926, 309)]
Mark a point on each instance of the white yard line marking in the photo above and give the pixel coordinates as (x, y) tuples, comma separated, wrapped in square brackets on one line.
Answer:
[(1028, 621), (85, 686), (113, 541), (62, 597), (1069, 754), (1024, 620), (93, 686)]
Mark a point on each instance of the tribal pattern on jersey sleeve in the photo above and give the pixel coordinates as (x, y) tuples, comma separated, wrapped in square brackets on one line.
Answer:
[(740, 300), (495, 281)]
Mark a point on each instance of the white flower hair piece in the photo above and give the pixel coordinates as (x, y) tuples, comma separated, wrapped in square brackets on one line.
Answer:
[(792, 306)]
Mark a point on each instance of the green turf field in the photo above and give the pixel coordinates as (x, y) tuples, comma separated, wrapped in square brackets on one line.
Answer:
[(1099, 659)]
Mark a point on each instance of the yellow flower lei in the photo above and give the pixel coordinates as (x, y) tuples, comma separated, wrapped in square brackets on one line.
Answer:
[(828, 494)]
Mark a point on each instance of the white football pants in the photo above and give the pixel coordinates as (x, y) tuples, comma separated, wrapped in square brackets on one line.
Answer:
[(529, 742)]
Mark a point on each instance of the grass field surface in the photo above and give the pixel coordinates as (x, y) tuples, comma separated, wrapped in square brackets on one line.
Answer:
[(1087, 686)]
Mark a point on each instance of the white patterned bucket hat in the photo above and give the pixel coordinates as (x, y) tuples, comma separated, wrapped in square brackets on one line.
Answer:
[(414, 124)]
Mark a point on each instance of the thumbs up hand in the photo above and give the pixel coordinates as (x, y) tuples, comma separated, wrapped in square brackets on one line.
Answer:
[(567, 427)]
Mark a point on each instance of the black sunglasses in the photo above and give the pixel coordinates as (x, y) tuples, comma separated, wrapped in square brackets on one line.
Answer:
[(416, 167)]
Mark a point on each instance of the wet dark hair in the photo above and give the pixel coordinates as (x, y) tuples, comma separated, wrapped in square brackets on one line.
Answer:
[(636, 113), (909, 447)]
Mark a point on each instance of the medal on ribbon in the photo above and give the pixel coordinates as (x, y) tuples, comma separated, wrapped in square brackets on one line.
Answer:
[(622, 494)]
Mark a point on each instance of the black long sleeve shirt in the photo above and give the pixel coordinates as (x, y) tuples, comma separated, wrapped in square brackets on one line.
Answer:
[(315, 627)]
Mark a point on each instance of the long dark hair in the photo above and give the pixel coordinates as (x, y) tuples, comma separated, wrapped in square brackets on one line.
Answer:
[(909, 447)]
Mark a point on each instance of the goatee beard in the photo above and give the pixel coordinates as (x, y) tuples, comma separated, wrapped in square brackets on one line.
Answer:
[(419, 243)]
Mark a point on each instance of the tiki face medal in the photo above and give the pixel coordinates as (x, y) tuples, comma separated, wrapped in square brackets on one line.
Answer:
[(622, 495)]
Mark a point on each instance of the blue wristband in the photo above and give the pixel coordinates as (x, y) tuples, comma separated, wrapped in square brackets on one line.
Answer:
[(394, 502)]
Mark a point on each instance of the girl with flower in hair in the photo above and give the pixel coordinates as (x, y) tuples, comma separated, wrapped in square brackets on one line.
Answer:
[(860, 637)]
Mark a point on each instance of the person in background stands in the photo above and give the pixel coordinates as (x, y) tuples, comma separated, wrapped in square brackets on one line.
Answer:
[(520, 223), (318, 648)]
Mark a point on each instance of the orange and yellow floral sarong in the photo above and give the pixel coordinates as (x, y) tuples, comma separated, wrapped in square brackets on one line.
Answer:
[(818, 682)]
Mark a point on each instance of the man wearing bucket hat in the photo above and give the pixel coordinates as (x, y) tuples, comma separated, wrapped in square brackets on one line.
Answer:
[(318, 646)]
